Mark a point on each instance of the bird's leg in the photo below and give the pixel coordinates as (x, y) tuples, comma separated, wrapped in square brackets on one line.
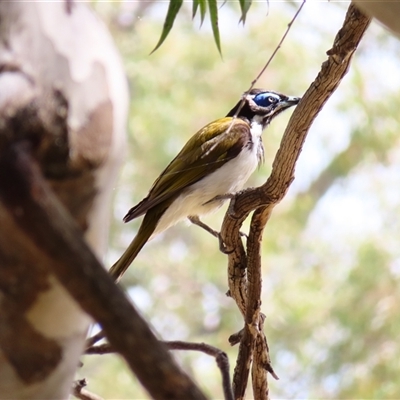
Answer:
[(194, 219), (228, 196), (232, 197)]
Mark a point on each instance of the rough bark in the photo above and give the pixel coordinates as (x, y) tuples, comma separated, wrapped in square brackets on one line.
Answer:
[(244, 265)]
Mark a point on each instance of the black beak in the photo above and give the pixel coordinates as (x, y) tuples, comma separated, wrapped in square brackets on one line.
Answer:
[(288, 102)]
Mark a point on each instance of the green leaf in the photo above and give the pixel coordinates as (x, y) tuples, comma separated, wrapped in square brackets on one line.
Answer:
[(203, 8), (212, 5), (194, 9), (174, 6), (244, 7)]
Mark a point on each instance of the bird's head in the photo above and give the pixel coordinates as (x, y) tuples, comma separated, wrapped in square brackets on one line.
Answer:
[(261, 106)]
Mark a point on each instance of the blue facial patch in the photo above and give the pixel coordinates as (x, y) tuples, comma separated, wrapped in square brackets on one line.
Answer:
[(266, 99)]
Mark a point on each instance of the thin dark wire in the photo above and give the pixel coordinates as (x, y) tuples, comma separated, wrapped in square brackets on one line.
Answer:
[(258, 77), (266, 65)]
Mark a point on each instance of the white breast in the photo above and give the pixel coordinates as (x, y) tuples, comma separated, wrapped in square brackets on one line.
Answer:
[(229, 178)]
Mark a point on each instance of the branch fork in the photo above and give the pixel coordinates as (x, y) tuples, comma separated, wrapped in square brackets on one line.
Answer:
[(244, 266)]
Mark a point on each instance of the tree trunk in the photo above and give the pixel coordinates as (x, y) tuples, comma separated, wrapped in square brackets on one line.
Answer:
[(63, 93)]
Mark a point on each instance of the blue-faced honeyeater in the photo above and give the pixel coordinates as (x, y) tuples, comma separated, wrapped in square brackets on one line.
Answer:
[(216, 161)]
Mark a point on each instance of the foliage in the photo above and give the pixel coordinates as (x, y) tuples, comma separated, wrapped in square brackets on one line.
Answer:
[(331, 251), (175, 6)]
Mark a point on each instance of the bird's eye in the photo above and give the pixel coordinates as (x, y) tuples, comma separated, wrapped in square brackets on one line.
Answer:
[(265, 99)]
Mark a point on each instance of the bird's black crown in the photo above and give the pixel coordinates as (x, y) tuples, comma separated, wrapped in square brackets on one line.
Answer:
[(265, 104)]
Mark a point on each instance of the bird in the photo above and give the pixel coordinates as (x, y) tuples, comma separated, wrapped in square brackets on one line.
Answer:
[(215, 162)]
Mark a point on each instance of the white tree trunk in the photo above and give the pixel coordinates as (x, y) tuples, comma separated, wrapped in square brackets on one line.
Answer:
[(387, 12), (49, 52)]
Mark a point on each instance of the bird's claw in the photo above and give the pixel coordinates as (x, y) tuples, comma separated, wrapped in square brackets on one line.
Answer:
[(222, 246), (195, 220)]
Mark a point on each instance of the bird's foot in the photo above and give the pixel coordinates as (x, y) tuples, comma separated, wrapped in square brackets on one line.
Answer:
[(223, 247), (196, 221), (242, 234), (226, 196)]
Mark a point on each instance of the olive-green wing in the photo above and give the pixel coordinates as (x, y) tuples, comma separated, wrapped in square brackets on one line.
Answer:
[(204, 153)]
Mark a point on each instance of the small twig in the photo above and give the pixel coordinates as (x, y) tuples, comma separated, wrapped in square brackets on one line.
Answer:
[(80, 393), (259, 75), (220, 357), (273, 53), (263, 69)]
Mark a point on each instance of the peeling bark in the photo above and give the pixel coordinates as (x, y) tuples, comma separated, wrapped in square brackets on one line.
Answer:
[(63, 92)]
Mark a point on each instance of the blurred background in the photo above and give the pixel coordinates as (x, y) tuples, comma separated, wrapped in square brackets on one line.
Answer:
[(331, 253)]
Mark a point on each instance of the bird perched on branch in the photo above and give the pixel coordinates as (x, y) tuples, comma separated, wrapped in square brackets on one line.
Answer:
[(216, 161)]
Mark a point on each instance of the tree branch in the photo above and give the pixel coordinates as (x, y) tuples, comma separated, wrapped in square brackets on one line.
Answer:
[(46, 225), (244, 269), (220, 357)]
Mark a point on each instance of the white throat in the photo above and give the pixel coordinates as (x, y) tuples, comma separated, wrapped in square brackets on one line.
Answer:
[(256, 127)]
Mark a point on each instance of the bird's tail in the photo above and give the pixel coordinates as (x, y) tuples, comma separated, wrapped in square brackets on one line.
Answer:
[(145, 231)]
